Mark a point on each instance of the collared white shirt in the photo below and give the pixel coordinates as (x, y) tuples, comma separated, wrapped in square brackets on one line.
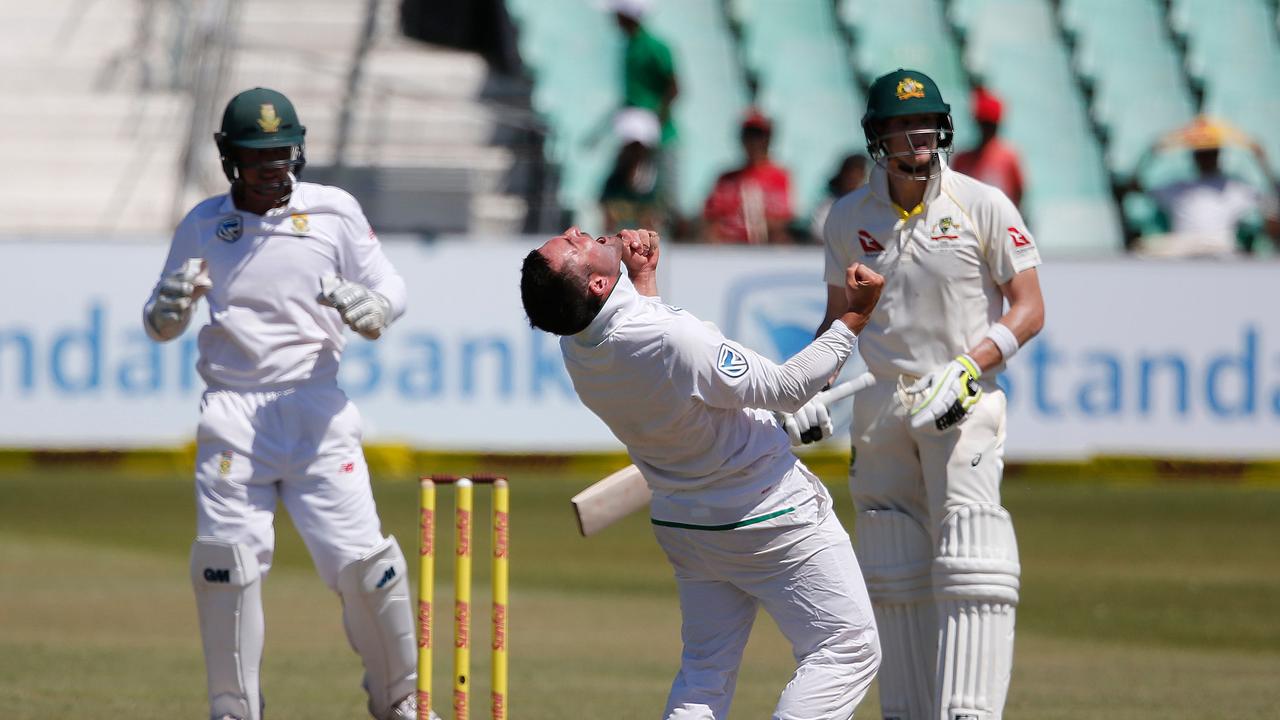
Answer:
[(1208, 208), (943, 264), (693, 408), (266, 327)]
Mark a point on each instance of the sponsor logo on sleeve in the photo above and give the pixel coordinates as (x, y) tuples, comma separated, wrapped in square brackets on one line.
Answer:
[(731, 362), (1021, 243), (230, 228), (870, 245), (301, 224)]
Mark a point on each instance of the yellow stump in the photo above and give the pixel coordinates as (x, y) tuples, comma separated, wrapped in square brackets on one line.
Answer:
[(426, 590), (462, 599), (501, 559)]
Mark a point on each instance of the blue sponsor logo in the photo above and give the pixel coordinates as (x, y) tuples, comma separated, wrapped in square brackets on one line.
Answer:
[(230, 228), (731, 361)]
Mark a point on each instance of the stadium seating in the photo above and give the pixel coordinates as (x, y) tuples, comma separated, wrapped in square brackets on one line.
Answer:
[(1139, 91), (1233, 50), (805, 85), (1015, 48), (880, 44), (713, 93)]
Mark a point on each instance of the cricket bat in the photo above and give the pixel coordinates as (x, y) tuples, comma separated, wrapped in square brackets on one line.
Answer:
[(625, 491), (611, 499)]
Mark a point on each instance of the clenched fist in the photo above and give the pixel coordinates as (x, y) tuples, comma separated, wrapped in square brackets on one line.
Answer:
[(862, 287)]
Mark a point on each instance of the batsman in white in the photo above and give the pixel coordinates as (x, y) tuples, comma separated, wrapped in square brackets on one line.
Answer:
[(273, 423), (938, 550), (742, 521)]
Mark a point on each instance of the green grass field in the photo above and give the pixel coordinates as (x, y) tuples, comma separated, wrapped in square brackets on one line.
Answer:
[(1138, 602)]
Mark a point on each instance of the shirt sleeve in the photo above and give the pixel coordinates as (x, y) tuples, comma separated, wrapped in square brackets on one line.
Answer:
[(839, 252), (1009, 246), (724, 374), (363, 261)]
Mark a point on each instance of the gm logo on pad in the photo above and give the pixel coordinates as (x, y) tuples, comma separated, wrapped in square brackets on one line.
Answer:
[(731, 361)]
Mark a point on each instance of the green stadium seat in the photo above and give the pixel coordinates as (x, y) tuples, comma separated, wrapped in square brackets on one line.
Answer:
[(1014, 46), (713, 94), (880, 46), (1138, 88)]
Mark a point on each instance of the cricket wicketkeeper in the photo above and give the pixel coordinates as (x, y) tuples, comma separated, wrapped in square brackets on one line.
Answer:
[(284, 265)]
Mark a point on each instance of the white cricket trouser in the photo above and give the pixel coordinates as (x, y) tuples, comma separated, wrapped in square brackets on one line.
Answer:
[(919, 473), (805, 575), (300, 445), (941, 556)]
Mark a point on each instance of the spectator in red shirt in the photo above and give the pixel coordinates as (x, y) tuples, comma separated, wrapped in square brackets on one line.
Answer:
[(993, 161), (751, 204)]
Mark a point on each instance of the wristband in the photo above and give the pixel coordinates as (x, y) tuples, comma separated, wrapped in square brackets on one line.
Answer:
[(1004, 339)]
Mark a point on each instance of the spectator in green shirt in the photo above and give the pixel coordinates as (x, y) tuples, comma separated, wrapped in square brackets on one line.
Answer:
[(649, 82)]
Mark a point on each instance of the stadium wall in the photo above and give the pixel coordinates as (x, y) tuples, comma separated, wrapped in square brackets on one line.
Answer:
[(1174, 360)]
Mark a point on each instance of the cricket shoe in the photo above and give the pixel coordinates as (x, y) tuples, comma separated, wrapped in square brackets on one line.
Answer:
[(407, 709)]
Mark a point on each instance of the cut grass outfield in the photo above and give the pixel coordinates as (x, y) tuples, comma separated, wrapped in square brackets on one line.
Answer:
[(1138, 602)]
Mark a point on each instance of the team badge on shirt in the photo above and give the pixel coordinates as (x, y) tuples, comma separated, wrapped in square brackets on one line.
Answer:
[(300, 223), (224, 465), (731, 361), (230, 228), (945, 229)]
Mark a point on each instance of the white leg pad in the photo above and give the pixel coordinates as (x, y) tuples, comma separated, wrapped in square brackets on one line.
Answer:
[(379, 624), (975, 578), (229, 601), (896, 553)]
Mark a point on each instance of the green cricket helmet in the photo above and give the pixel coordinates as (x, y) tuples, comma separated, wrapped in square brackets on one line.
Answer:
[(260, 118), (899, 93)]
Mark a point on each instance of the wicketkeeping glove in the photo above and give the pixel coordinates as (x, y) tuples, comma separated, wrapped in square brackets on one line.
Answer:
[(169, 311), (362, 309), (944, 398)]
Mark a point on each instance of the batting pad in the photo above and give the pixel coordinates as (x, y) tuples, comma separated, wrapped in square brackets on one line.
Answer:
[(379, 624), (229, 601), (896, 553), (975, 580)]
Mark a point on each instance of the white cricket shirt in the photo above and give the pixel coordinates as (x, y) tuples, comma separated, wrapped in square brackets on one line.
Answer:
[(693, 408), (1208, 208), (266, 327), (943, 264)]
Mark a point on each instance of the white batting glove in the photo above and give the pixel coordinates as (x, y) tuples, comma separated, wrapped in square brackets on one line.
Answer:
[(811, 423), (944, 398), (362, 309), (170, 307)]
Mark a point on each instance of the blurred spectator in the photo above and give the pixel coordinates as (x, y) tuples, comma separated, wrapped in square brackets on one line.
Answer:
[(993, 161), (851, 176), (630, 198), (751, 204), (1210, 215), (649, 82)]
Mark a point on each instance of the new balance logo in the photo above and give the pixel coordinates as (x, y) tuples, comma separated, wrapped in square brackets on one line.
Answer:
[(731, 361), (869, 243), (387, 577)]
